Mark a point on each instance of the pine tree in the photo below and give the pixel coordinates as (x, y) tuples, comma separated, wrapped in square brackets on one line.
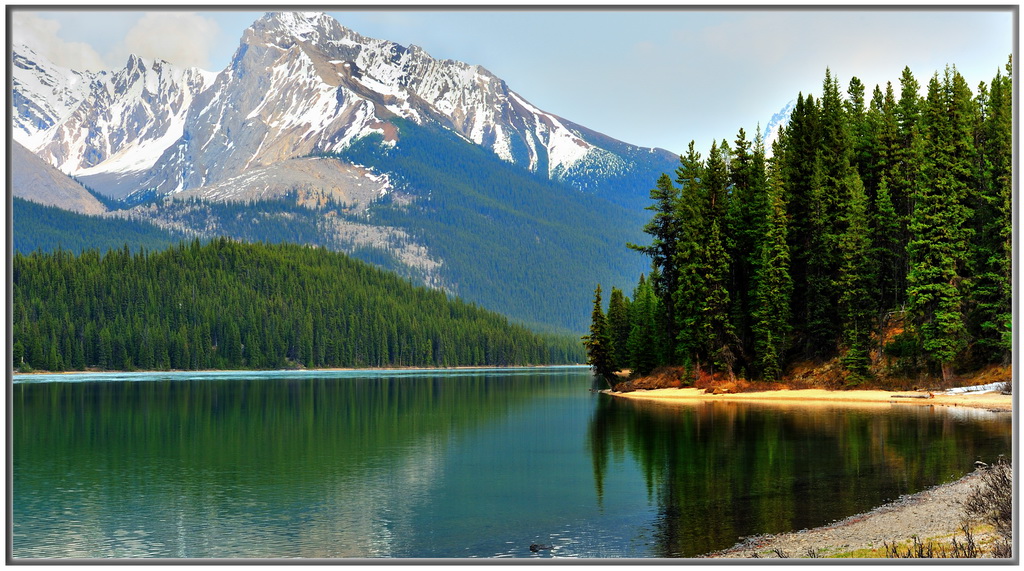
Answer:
[(664, 230), (907, 153), (773, 286), (618, 323), (643, 343), (856, 276), (747, 214), (598, 343), (690, 260), (939, 224), (990, 317)]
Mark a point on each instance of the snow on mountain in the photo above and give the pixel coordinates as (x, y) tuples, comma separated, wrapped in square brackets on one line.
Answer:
[(119, 122), (300, 84), (43, 94), (127, 121), (775, 124)]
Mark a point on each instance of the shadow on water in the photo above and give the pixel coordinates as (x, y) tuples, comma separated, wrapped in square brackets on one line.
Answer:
[(719, 472)]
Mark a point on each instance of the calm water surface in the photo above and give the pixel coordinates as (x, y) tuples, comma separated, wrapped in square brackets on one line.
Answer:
[(452, 464)]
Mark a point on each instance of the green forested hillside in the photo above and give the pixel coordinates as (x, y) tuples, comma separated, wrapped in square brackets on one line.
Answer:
[(47, 228), (232, 305), (877, 233), (511, 241)]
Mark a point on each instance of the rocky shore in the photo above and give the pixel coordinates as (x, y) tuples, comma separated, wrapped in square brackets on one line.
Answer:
[(934, 514)]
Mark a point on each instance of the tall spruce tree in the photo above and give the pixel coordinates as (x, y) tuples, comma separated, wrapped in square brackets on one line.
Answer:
[(990, 316), (664, 231), (748, 208), (619, 325), (773, 285), (600, 352), (856, 276), (938, 249), (720, 344), (643, 341), (690, 259)]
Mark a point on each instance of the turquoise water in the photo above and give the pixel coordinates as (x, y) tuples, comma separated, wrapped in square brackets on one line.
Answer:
[(444, 464)]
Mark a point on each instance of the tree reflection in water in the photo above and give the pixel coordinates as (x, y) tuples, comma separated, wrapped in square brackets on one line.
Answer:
[(721, 471)]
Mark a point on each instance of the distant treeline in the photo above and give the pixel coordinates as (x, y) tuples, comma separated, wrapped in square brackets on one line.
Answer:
[(230, 305), (879, 232), (47, 228)]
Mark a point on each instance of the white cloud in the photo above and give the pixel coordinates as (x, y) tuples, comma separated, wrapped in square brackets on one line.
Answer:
[(182, 38), (42, 35)]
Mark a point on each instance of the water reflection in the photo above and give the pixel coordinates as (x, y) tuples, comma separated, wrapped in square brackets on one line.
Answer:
[(720, 471), (452, 464), (307, 467)]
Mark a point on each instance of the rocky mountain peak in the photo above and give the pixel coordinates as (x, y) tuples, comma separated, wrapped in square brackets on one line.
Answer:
[(284, 29)]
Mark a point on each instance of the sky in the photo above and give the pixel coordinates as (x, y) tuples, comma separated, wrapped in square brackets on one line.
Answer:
[(656, 77)]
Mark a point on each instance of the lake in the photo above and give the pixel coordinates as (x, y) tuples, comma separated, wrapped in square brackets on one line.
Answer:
[(446, 464)]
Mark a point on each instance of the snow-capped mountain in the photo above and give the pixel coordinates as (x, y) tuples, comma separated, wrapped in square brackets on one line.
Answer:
[(87, 124), (44, 94), (315, 134), (775, 124), (299, 84)]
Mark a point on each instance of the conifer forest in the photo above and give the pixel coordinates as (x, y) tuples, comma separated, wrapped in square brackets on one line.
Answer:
[(877, 232), (232, 305)]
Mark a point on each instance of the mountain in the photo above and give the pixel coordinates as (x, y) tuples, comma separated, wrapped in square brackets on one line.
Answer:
[(775, 124), (313, 133), (43, 93), (35, 180), (302, 84)]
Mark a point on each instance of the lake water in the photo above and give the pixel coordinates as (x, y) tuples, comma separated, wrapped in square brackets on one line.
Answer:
[(446, 464)]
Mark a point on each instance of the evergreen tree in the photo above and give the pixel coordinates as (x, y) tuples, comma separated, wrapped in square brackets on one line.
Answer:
[(618, 322), (643, 343), (690, 260), (938, 250), (907, 153), (990, 316), (664, 230), (774, 286), (856, 276), (748, 209), (600, 352)]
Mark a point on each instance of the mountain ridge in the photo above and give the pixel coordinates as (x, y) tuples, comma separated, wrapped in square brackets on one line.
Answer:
[(302, 83), (262, 151)]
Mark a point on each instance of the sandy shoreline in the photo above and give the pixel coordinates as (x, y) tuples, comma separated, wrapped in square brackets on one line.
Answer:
[(811, 397)]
